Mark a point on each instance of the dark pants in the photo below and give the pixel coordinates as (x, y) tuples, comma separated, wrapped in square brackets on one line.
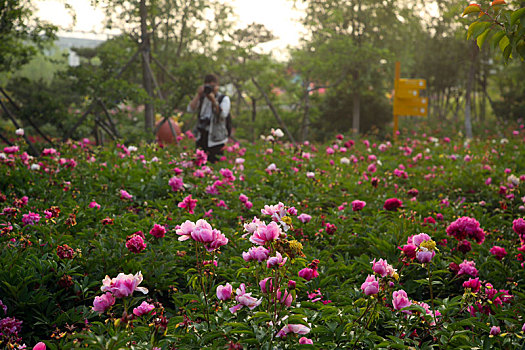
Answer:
[(212, 152)]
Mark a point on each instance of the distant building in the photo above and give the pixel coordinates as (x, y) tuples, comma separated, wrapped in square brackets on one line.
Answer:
[(67, 43)]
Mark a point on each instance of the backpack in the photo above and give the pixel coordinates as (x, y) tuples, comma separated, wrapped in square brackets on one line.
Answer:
[(228, 117)]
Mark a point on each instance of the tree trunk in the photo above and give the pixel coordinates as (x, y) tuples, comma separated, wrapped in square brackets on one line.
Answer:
[(306, 114), (468, 100), (356, 101), (356, 104), (149, 113), (254, 113)]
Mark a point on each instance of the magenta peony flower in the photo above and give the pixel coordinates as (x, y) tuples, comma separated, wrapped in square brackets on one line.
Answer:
[(291, 284), (211, 238), (518, 226), (94, 204), (243, 198), (468, 268), (40, 346), (304, 218), (409, 250), (358, 205), (248, 205), (498, 252), (30, 219), (244, 299), (392, 204), (103, 302), (381, 267), (466, 227), (123, 285), (135, 244), (143, 309), (11, 149), (308, 273), (370, 286), (400, 300), (276, 261), (125, 195), (176, 184), (473, 284), (158, 231), (464, 246), (188, 203), (293, 328), (224, 292)]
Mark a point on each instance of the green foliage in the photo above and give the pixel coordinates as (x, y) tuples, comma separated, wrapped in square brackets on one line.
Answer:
[(505, 27)]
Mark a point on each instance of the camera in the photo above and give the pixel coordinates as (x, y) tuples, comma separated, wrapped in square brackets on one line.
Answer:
[(208, 89)]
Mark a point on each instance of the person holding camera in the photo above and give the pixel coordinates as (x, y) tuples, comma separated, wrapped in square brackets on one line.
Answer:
[(211, 133)]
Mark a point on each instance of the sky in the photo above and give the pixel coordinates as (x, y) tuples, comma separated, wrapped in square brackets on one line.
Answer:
[(277, 15)]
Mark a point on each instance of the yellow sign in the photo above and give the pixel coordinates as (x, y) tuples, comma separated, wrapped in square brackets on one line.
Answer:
[(410, 110), (419, 84), (411, 102), (407, 93)]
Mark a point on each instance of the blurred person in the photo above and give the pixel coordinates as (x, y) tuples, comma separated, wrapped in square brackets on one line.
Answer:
[(213, 110)]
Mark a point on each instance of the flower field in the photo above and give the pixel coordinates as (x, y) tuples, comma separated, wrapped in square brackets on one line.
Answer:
[(354, 244)]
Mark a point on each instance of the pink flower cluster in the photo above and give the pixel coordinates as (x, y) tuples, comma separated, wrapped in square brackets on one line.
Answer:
[(258, 254), (392, 204), (30, 219), (188, 203), (119, 287), (135, 242), (176, 184), (202, 232), (466, 227), (244, 299)]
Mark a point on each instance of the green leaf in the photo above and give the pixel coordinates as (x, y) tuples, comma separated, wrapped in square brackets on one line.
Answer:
[(521, 49), (504, 42), (477, 28), (496, 38), (516, 15), (481, 39)]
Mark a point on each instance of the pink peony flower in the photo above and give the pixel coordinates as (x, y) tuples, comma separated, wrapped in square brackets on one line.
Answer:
[(11, 149), (468, 268), (94, 204), (176, 184), (382, 267), (420, 238), (358, 205), (244, 299), (464, 246), (304, 340), (243, 198), (188, 203), (466, 227), (123, 285), (495, 330), (409, 250), (158, 231), (211, 238), (276, 261), (285, 297), (135, 244), (370, 286), (473, 284), (103, 302), (424, 256), (518, 226), (185, 230), (293, 328), (125, 195), (224, 292), (266, 233), (266, 285), (143, 309), (40, 346), (498, 252), (392, 204), (400, 300), (30, 219), (308, 273), (304, 218), (259, 254)]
